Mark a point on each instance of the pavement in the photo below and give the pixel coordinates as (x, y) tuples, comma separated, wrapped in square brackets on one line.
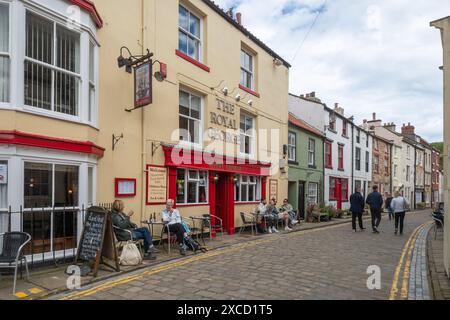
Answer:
[(46, 281), (440, 282), (327, 263)]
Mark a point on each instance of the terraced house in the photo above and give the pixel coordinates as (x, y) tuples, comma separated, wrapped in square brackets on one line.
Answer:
[(306, 170), (444, 27)]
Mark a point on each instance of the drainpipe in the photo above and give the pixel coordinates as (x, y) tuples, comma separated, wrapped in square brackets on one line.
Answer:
[(391, 162), (415, 178), (143, 131), (353, 160)]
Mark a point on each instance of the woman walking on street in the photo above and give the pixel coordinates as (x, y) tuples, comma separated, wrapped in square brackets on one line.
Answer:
[(399, 205)]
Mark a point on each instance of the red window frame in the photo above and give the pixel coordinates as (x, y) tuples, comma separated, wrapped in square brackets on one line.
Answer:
[(329, 154), (125, 195), (344, 128), (333, 188), (341, 157)]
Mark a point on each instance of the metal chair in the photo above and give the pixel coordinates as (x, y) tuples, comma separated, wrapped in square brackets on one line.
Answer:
[(246, 222), (12, 252), (217, 226), (438, 223), (120, 244)]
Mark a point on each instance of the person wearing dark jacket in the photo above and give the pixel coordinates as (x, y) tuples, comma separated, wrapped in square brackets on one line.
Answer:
[(387, 205), (357, 205), (124, 226), (375, 201)]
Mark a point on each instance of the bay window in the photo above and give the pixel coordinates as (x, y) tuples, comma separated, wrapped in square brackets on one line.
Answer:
[(4, 53), (192, 186), (190, 117), (247, 135), (248, 189), (52, 66), (189, 33)]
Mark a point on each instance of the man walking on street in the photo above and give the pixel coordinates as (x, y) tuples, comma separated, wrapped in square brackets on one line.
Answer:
[(375, 201), (357, 208), (399, 206)]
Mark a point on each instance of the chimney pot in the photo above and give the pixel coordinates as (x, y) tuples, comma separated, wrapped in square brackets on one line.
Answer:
[(374, 115), (307, 95), (313, 94), (336, 105), (239, 18)]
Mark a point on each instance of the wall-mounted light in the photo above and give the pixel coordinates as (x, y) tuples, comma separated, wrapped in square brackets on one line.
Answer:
[(250, 103), (238, 97), (236, 179), (225, 91), (216, 178)]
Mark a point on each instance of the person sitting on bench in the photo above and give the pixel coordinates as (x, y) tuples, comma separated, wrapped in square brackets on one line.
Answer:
[(123, 222), (289, 209), (175, 224)]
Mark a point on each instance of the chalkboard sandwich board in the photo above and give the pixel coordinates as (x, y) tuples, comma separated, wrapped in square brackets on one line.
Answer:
[(97, 240)]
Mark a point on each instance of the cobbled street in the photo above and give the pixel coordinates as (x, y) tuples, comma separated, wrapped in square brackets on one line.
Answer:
[(327, 263)]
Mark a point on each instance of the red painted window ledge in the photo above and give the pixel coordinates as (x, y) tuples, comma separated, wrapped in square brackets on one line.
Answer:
[(193, 61), (254, 93)]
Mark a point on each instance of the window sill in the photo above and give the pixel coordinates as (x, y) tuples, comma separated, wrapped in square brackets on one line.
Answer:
[(250, 91), (185, 205), (328, 167), (333, 131), (294, 163), (341, 170), (193, 61), (312, 167), (246, 203), (345, 136)]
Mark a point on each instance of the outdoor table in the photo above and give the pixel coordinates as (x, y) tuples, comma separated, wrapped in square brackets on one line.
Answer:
[(151, 224)]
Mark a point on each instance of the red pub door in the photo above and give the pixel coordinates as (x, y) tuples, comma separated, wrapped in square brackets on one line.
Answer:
[(224, 201)]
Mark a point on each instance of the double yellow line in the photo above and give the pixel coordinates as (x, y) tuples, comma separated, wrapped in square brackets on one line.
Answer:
[(134, 277), (406, 252)]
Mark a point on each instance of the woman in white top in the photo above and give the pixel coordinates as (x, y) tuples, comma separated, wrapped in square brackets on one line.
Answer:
[(399, 206)]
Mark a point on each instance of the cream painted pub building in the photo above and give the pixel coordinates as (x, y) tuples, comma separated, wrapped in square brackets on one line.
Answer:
[(213, 138)]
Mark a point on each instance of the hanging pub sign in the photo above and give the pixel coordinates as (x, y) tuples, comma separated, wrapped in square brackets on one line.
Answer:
[(143, 94)]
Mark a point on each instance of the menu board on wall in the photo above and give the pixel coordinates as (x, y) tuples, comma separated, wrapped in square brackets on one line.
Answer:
[(156, 185), (273, 189)]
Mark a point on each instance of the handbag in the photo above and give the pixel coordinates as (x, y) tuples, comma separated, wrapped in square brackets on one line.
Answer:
[(131, 256)]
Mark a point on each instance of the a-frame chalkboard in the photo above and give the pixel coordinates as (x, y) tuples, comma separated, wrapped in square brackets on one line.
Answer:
[(97, 241)]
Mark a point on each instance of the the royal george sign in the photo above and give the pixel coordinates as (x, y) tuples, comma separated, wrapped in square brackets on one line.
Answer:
[(156, 185), (224, 123)]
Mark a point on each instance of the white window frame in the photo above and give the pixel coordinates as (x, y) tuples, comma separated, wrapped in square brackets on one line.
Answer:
[(251, 134), (245, 184), (311, 152), (17, 47), (92, 111), (189, 34), (55, 69), (185, 143), (313, 196), (358, 159), (248, 71), (188, 179), (292, 147), (7, 54)]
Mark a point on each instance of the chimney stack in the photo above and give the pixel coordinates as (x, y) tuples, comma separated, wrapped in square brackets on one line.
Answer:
[(230, 13), (239, 18), (408, 129), (391, 126), (374, 116), (312, 94)]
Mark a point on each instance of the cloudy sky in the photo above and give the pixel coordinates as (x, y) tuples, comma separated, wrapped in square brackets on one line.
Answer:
[(370, 56)]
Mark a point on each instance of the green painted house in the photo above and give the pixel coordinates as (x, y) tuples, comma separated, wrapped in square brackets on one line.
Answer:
[(306, 165)]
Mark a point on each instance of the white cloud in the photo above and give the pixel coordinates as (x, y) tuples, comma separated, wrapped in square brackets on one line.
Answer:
[(371, 56)]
